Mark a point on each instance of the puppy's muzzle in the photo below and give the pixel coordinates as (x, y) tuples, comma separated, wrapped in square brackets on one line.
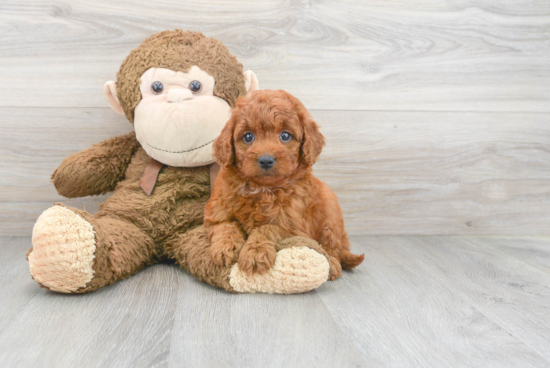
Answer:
[(266, 162)]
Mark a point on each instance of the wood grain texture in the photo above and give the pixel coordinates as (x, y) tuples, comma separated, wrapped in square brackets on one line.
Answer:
[(507, 290), (436, 116), (436, 325), (466, 55), (415, 302), (532, 250), (16, 284), (127, 325), (394, 172), (251, 330), (439, 173), (412, 99)]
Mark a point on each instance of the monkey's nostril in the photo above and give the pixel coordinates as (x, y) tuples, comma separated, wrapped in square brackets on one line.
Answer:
[(266, 161)]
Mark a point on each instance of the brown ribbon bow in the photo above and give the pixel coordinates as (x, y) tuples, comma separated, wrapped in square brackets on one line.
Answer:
[(151, 174)]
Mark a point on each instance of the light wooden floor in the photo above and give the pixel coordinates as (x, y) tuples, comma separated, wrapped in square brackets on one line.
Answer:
[(431, 301)]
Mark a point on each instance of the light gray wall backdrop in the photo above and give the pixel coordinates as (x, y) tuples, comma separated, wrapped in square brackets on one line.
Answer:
[(437, 113)]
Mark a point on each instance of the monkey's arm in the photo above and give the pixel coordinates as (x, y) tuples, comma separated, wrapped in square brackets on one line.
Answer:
[(96, 170)]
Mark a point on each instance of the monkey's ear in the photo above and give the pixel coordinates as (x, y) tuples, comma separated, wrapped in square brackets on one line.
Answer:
[(223, 149), (109, 90), (250, 82)]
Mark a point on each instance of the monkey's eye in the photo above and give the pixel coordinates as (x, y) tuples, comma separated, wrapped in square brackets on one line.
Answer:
[(157, 87), (195, 86), (285, 137), (248, 138)]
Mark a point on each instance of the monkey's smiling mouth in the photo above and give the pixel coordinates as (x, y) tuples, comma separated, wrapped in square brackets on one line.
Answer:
[(189, 150)]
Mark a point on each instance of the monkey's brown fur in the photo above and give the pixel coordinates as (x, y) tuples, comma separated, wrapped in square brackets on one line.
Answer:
[(164, 50), (134, 230)]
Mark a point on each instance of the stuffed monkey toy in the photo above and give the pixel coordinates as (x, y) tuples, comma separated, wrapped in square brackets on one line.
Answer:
[(178, 89)]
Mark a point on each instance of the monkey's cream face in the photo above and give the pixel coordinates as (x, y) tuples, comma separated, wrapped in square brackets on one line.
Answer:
[(179, 117)]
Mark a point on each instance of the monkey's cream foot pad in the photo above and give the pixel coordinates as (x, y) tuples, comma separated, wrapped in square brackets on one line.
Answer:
[(296, 270), (63, 250)]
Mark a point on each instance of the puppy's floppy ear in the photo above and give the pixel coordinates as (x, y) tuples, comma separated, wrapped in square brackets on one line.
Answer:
[(313, 141), (223, 148)]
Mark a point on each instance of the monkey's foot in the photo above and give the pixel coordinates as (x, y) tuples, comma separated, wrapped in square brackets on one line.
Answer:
[(298, 268), (63, 250)]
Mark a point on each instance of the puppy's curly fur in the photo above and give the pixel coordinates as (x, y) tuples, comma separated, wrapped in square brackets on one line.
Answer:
[(253, 207)]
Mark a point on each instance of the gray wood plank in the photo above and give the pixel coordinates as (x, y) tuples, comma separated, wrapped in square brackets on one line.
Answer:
[(465, 55), (402, 316), (438, 173), (19, 216), (218, 329), (532, 250), (394, 172), (17, 287), (416, 301), (30, 153), (128, 324), (162, 317), (511, 292)]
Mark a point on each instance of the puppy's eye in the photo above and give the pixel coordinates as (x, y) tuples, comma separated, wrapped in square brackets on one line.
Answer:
[(248, 138), (157, 87), (195, 86), (285, 137)]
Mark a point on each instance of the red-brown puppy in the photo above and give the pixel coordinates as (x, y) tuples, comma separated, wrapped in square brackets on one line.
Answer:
[(266, 192)]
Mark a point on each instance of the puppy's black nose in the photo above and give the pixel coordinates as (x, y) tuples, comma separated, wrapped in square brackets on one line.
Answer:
[(266, 161)]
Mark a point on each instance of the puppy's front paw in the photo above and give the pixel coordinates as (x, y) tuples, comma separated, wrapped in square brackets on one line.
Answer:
[(223, 253), (257, 257)]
